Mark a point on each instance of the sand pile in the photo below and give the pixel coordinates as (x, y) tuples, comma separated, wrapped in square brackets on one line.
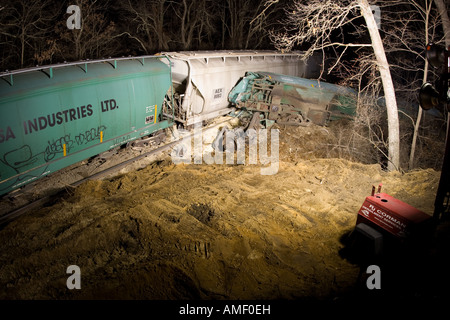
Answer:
[(205, 231)]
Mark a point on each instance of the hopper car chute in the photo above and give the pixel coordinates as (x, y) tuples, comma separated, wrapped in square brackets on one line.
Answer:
[(293, 100), (56, 116)]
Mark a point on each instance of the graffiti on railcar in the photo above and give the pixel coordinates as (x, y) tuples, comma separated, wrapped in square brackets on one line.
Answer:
[(18, 159), (90, 135), (56, 146)]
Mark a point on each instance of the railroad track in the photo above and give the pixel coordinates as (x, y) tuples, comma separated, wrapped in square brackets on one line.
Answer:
[(35, 204), (59, 192)]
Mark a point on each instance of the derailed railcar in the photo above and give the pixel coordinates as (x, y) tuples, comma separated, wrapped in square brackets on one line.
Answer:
[(55, 116), (293, 100), (202, 80)]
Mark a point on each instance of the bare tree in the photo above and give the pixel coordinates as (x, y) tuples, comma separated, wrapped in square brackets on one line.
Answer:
[(425, 13), (148, 23), (388, 85), (408, 25), (442, 8), (240, 22), (95, 38), (207, 26), (23, 25), (194, 21), (322, 24)]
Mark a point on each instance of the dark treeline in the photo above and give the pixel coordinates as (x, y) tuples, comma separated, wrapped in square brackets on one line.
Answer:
[(36, 33)]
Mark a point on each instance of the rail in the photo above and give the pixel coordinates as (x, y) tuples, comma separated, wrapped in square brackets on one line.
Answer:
[(6, 218)]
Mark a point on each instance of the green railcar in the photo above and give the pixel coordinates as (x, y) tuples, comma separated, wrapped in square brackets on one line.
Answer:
[(293, 100), (54, 116)]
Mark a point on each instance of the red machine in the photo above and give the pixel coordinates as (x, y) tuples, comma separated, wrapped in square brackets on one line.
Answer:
[(388, 214)]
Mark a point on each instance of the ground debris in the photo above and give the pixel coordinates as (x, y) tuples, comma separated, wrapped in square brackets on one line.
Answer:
[(138, 236)]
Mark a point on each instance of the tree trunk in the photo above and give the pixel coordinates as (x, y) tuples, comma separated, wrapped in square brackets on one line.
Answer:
[(425, 74), (162, 43), (22, 49), (388, 86), (445, 20), (416, 126)]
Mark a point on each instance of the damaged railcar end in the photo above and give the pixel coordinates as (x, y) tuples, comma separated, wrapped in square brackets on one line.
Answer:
[(292, 100)]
